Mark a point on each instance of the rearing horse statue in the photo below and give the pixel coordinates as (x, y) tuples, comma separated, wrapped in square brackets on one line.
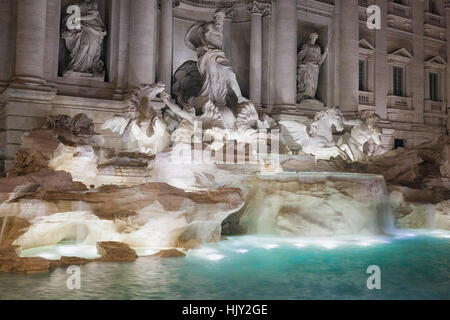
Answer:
[(317, 139)]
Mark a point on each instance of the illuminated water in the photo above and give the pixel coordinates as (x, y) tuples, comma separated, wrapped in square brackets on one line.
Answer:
[(414, 265)]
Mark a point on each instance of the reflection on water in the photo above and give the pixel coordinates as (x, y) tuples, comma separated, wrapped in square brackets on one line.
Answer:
[(413, 265)]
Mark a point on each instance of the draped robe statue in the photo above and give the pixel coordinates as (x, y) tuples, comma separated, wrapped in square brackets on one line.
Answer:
[(85, 44), (310, 59), (206, 38)]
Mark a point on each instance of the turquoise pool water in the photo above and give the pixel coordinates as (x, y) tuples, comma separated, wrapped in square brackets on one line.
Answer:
[(414, 265)]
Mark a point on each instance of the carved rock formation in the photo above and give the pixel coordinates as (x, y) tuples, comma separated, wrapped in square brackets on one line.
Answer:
[(111, 251), (170, 253)]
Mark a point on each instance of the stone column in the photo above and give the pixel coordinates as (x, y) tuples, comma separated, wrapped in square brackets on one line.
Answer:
[(227, 43), (267, 74), (142, 42), (348, 96), (27, 100), (447, 80), (121, 27), (381, 65), (166, 43), (257, 10), (30, 41), (286, 55), (418, 68)]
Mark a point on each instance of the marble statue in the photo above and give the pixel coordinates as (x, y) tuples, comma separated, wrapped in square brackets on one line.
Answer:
[(140, 123), (246, 126), (206, 39), (363, 130), (85, 43), (212, 125), (317, 139), (310, 59)]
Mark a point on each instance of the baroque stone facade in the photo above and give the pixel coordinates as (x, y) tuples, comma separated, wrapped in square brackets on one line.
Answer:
[(398, 72)]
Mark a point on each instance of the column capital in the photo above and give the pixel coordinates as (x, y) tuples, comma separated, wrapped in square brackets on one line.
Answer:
[(259, 8), (231, 14)]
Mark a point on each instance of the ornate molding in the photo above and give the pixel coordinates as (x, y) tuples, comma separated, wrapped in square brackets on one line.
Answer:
[(259, 8), (315, 12), (216, 3)]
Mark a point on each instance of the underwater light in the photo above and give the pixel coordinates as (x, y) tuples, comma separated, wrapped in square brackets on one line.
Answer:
[(365, 243), (215, 257), (328, 244), (270, 246)]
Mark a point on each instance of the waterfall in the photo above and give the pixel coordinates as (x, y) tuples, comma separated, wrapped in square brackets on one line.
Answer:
[(384, 208), (318, 204)]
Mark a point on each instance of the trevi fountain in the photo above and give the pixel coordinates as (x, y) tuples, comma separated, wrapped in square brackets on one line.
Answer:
[(193, 188)]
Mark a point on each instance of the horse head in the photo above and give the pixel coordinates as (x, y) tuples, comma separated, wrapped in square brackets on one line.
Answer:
[(329, 117)]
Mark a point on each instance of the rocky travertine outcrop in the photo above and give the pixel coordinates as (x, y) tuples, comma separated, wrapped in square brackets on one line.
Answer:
[(111, 251), (442, 215), (65, 143), (10, 260), (169, 253), (151, 215), (397, 166), (26, 265), (78, 130), (314, 205), (13, 228), (111, 202), (445, 162), (412, 212), (43, 181)]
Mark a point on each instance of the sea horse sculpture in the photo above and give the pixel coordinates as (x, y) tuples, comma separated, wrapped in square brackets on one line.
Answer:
[(317, 139), (140, 123)]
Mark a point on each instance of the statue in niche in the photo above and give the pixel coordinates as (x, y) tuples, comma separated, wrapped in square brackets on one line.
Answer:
[(85, 43), (310, 59), (206, 39)]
